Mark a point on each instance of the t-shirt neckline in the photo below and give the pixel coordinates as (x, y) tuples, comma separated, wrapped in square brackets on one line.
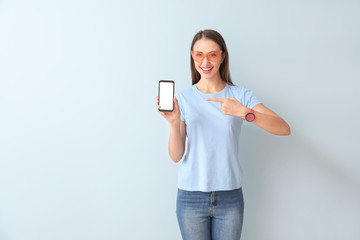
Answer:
[(210, 94)]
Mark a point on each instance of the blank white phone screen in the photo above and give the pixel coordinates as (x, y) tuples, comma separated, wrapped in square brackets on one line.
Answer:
[(166, 97)]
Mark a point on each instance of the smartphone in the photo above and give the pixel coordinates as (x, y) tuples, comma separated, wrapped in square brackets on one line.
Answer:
[(166, 95)]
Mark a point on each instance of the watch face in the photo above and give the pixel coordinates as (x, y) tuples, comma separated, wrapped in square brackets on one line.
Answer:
[(250, 117)]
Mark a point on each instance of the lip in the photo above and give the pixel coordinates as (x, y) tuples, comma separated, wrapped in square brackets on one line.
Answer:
[(209, 69)]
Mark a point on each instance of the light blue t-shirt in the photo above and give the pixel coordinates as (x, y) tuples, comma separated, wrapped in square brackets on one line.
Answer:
[(211, 159)]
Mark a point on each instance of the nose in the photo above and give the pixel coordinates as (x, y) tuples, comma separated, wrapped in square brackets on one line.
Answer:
[(205, 61)]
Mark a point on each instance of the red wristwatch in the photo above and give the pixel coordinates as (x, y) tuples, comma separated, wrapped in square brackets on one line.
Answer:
[(250, 116)]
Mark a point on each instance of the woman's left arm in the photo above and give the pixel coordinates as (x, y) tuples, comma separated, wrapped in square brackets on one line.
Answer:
[(264, 117), (270, 121)]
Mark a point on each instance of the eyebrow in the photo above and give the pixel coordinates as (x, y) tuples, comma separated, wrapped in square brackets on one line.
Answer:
[(208, 52)]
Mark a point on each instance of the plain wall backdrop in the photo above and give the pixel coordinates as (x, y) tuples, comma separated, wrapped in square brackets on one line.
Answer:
[(83, 151)]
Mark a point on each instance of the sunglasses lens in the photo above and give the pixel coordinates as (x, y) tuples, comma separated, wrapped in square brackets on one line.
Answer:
[(213, 56), (198, 56)]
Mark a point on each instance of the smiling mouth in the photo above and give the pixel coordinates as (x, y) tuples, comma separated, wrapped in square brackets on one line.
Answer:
[(206, 70)]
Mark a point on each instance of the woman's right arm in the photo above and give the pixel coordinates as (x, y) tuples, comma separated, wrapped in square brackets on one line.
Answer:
[(177, 132), (177, 141)]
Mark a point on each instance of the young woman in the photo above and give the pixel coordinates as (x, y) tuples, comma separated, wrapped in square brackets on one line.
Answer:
[(209, 115)]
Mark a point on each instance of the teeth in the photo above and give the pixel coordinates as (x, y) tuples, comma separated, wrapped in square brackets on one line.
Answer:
[(206, 69)]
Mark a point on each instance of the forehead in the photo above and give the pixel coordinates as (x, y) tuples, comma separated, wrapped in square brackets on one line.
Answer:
[(205, 45)]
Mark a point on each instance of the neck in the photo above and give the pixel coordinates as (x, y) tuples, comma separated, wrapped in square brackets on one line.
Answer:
[(210, 86)]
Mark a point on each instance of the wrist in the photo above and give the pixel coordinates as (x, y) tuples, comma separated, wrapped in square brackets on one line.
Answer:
[(174, 123), (243, 112)]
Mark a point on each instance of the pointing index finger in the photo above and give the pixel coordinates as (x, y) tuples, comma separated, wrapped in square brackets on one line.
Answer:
[(221, 100)]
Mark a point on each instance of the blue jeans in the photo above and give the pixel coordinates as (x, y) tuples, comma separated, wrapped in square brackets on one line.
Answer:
[(210, 215)]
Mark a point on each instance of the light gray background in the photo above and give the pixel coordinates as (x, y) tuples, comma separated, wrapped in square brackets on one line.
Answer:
[(83, 151)]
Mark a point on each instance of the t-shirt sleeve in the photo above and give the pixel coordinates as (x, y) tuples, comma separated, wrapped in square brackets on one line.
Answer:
[(181, 106), (249, 99)]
